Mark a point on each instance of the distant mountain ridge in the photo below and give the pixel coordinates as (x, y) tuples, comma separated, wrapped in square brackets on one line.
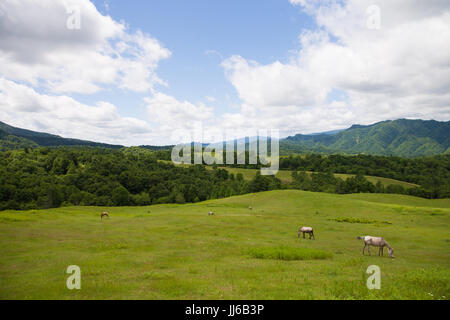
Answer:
[(16, 138), (403, 137), (326, 132)]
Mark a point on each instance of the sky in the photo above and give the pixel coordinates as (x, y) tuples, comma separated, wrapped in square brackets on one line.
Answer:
[(152, 72)]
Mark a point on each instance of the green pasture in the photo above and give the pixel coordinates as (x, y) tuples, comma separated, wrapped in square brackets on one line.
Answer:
[(179, 252)]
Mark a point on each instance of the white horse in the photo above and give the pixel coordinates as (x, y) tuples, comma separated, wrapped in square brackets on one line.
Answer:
[(376, 242), (210, 213), (304, 230)]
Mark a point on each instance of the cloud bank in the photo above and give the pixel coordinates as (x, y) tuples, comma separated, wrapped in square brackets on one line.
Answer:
[(400, 68), (40, 49), (365, 61)]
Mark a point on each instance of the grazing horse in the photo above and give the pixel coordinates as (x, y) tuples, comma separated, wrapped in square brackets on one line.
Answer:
[(376, 242), (104, 214), (250, 207), (210, 213), (306, 230)]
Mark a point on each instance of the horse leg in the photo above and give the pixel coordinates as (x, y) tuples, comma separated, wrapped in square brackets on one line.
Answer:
[(364, 248), (312, 233), (382, 254)]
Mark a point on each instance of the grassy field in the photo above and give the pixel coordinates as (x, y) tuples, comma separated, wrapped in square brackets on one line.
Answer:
[(179, 252)]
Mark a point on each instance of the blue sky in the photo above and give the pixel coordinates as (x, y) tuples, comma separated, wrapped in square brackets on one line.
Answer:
[(152, 72), (200, 34)]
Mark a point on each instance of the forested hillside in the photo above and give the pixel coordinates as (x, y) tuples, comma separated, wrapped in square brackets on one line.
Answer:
[(405, 138), (16, 138), (12, 142), (78, 172), (51, 177)]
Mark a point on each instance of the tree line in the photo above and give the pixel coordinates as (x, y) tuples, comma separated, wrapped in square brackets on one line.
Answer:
[(34, 178), (431, 173), (52, 177)]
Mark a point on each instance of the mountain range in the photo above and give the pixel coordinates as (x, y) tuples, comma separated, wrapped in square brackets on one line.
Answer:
[(16, 138), (405, 138), (402, 137)]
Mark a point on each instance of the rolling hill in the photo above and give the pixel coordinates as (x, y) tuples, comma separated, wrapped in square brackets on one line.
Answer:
[(9, 141), (17, 138), (179, 252), (405, 138)]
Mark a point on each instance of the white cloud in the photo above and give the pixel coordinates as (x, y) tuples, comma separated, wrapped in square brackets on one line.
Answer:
[(42, 62), (275, 84), (37, 48), (24, 107), (168, 114), (399, 70)]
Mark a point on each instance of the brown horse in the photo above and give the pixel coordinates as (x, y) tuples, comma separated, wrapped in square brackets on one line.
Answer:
[(104, 214)]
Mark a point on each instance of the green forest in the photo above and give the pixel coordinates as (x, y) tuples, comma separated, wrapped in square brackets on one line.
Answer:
[(431, 173), (402, 137), (34, 178), (53, 177)]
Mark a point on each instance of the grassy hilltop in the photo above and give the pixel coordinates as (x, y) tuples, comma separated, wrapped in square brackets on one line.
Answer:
[(179, 252)]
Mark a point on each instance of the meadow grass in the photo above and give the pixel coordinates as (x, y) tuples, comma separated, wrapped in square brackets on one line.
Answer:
[(358, 220), (175, 251), (289, 253)]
